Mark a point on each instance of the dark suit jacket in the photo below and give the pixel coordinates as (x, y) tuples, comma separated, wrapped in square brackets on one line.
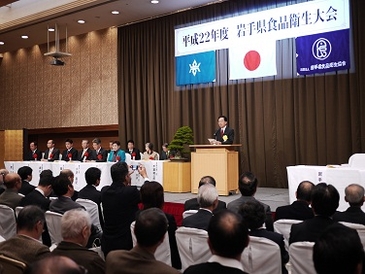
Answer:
[(63, 204), (309, 230), (26, 188), (193, 204), (90, 155), (298, 210), (229, 132), (55, 153), (175, 257), (36, 198), (163, 155), (91, 193), (120, 204), (199, 220), (351, 215), (136, 151), (29, 156), (82, 256), (278, 239), (72, 151), (212, 268), (10, 198), (101, 156)]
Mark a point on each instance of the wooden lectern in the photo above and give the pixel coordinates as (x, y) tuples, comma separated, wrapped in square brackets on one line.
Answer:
[(218, 161)]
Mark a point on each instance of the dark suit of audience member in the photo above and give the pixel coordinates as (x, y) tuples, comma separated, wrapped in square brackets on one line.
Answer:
[(120, 204), (70, 152), (325, 199), (247, 185), (75, 227), (10, 196), (299, 209), (198, 220), (152, 196), (253, 214), (225, 134), (227, 256), (25, 246), (33, 155), (150, 228), (25, 172), (354, 195)]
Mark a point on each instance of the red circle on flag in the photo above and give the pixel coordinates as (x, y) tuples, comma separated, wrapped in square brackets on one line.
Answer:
[(252, 60)]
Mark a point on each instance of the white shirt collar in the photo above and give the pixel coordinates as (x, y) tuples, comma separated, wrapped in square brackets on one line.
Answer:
[(40, 190), (226, 262)]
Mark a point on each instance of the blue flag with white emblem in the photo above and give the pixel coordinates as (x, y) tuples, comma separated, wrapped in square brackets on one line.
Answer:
[(195, 68), (323, 52)]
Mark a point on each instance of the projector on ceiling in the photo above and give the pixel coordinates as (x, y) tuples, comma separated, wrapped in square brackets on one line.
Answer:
[(57, 62)]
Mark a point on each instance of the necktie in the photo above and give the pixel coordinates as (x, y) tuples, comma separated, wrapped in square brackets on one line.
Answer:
[(222, 132)]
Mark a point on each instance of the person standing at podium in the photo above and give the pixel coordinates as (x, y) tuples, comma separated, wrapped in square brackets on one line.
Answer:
[(224, 135)]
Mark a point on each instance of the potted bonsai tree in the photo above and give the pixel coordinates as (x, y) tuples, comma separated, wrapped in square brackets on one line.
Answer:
[(179, 145)]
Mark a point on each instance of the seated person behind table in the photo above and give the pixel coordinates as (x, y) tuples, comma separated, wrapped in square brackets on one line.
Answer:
[(101, 154), (149, 154), (70, 153), (134, 152), (117, 154), (86, 154), (51, 153), (165, 153), (34, 153)]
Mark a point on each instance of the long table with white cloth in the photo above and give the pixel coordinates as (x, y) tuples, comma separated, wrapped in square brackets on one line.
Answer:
[(338, 176), (154, 170)]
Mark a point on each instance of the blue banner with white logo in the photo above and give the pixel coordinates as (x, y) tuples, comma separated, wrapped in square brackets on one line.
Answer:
[(323, 52), (195, 68)]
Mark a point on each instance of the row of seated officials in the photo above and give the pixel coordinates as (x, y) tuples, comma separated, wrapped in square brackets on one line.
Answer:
[(98, 153), (120, 208)]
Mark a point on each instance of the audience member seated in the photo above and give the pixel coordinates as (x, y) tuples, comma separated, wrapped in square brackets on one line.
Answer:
[(150, 228), (299, 209), (25, 172), (247, 185), (228, 237), (51, 153), (92, 177), (354, 195), (25, 246), (71, 177), (117, 154), (325, 199), (101, 154), (193, 202), (338, 250), (152, 195), (3, 172), (134, 152), (253, 214), (75, 230), (34, 153), (120, 203), (10, 196), (55, 265), (208, 200), (70, 153), (86, 154), (165, 153), (149, 154)]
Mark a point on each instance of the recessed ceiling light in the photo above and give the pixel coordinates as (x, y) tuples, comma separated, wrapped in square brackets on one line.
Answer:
[(25, 36), (50, 29), (81, 21), (2, 43), (115, 12), (154, 1)]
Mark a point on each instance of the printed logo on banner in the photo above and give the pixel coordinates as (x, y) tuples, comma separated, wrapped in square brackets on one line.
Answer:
[(323, 52), (195, 68)]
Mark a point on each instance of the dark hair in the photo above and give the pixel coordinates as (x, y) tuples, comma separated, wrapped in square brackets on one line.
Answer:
[(165, 145), (46, 172), (35, 143), (152, 195), (46, 180), (325, 199), (117, 143), (92, 174), (150, 146), (253, 214), (60, 185), (151, 226), (24, 172), (338, 250), (29, 216), (97, 141), (304, 191), (247, 184), (130, 141), (55, 264), (119, 171), (227, 234), (207, 180), (224, 118), (69, 141)]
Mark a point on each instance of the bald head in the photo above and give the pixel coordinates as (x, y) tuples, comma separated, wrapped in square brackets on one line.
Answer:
[(304, 191), (354, 195), (13, 181), (54, 265)]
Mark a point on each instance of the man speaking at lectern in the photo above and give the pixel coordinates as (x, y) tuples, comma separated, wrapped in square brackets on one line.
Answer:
[(224, 135)]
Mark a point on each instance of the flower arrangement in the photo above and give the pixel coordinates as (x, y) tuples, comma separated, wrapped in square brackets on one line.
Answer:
[(69, 156), (86, 154), (35, 156), (100, 157), (51, 156), (117, 158), (133, 155)]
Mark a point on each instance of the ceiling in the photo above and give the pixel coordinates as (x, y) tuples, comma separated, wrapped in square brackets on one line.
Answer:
[(97, 15)]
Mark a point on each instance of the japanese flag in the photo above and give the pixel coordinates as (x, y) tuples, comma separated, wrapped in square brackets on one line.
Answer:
[(255, 58)]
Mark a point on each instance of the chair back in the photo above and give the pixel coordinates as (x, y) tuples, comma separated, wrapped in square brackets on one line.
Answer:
[(261, 256), (7, 222), (53, 221), (357, 160), (193, 247), (189, 212), (359, 228), (17, 210), (93, 210), (162, 253), (301, 258), (11, 266), (283, 226)]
